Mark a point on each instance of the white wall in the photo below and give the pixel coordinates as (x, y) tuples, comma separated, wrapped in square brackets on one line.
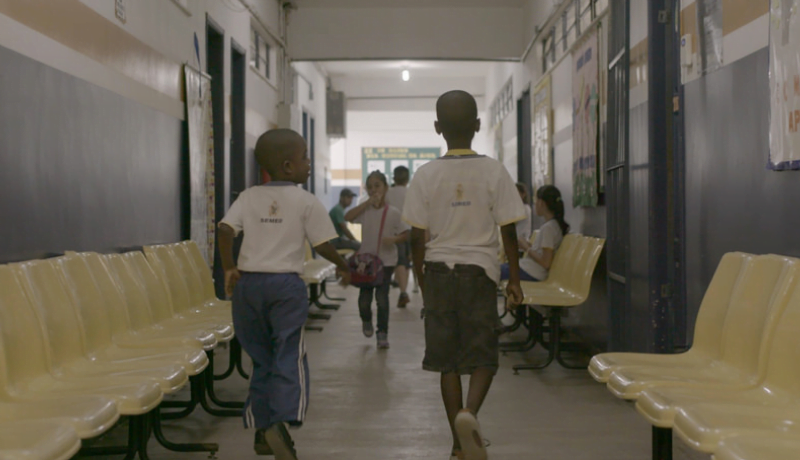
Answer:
[(315, 108), (410, 33)]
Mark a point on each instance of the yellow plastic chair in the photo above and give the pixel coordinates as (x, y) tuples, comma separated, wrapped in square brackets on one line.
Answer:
[(707, 331), (100, 331), (165, 264), (167, 313), (758, 299), (196, 275), (28, 373), (201, 267), (567, 285), (41, 440), (192, 278), (773, 405), (778, 446), (78, 338), (129, 308)]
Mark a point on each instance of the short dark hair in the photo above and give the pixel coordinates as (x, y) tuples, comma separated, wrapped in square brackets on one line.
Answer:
[(401, 175)]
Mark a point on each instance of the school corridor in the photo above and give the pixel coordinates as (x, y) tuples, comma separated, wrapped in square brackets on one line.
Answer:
[(367, 403), (642, 156)]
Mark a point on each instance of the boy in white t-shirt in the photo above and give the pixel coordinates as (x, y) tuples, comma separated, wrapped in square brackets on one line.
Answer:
[(270, 303), (396, 196), (461, 199)]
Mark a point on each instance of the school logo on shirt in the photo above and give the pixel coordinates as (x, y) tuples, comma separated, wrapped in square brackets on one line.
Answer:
[(460, 198), (274, 209)]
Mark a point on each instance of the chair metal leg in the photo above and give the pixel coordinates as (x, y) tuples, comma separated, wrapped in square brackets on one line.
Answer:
[(313, 328), (231, 362), (325, 294), (211, 448), (662, 443), (238, 357), (316, 292), (209, 377), (322, 316), (202, 392), (555, 328)]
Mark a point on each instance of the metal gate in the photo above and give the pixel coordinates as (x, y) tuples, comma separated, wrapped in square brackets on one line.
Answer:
[(617, 172)]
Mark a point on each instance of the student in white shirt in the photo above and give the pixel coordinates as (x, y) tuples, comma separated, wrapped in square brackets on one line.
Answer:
[(539, 256), (270, 303), (396, 196), (370, 214), (462, 199)]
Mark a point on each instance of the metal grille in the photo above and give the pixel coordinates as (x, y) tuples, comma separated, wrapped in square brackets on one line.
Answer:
[(617, 171)]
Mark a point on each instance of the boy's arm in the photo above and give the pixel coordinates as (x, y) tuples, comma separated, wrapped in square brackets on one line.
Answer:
[(225, 236), (418, 241), (327, 251), (513, 290)]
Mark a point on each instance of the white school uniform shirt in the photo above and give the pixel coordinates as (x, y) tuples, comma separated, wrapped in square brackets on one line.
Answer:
[(549, 237), (462, 199), (370, 221), (277, 218), (396, 196)]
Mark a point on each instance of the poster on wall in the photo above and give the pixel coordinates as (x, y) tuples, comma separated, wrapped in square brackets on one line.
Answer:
[(585, 101), (201, 160), (385, 159), (709, 24), (784, 83), (542, 135)]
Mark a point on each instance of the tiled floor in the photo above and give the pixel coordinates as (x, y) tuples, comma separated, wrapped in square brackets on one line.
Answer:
[(368, 404)]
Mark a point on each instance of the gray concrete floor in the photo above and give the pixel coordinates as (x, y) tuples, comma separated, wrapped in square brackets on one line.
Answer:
[(368, 404)]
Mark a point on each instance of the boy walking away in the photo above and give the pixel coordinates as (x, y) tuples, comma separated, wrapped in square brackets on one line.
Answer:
[(396, 196), (461, 199), (345, 239), (270, 305)]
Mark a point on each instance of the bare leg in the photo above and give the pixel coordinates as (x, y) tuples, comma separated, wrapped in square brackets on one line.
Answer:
[(479, 383), (401, 276), (453, 401)]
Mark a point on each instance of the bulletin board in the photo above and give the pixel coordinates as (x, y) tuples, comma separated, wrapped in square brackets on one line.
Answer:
[(385, 159), (784, 83)]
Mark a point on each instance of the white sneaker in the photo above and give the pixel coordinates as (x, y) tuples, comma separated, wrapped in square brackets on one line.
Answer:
[(469, 436)]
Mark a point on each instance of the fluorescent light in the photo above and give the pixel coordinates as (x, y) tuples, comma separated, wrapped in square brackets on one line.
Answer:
[(406, 75)]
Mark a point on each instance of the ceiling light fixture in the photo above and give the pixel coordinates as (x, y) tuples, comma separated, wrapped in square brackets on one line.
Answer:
[(406, 75)]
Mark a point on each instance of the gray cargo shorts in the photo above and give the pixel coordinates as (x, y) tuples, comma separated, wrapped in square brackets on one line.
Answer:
[(462, 325)]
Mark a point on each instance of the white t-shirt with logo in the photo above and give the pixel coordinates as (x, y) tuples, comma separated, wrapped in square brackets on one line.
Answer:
[(370, 221), (396, 196), (461, 199), (276, 219), (549, 237)]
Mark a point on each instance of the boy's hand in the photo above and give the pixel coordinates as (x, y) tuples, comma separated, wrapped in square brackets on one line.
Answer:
[(513, 295), (344, 277), (524, 245), (389, 240), (231, 278)]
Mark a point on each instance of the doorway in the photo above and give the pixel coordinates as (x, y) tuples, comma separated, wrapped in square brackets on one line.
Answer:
[(525, 142), (215, 62)]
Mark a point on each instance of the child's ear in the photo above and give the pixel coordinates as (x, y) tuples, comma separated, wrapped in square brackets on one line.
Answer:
[(478, 125), (437, 128)]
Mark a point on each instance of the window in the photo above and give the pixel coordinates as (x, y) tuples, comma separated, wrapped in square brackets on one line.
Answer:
[(575, 20), (259, 53)]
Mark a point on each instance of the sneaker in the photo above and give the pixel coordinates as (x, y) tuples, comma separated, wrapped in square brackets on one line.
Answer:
[(403, 300), (260, 444), (383, 340), (469, 436), (367, 329), (278, 438)]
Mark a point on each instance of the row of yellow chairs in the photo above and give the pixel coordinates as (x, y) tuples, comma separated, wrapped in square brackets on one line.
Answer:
[(567, 285), (87, 338), (736, 393)]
